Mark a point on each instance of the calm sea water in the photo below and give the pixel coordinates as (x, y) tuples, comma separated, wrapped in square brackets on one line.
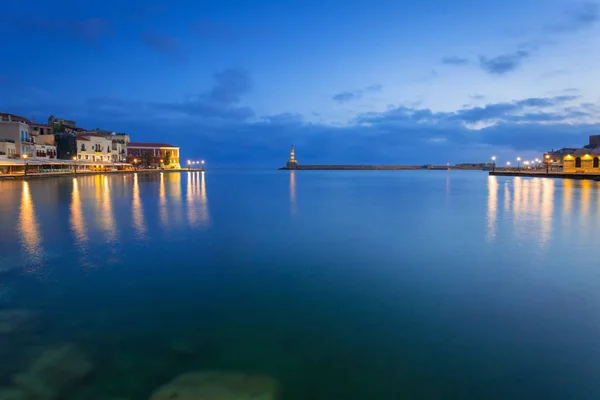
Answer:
[(340, 285)]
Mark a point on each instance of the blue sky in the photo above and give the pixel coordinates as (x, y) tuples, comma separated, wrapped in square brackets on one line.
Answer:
[(347, 82)]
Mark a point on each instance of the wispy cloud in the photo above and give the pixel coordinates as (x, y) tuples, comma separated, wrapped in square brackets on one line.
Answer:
[(345, 97), (454, 60), (218, 103), (581, 16), (503, 64)]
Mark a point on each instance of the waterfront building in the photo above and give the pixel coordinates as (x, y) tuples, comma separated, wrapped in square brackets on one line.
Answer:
[(8, 148), (18, 132), (157, 153), (292, 162), (6, 117), (94, 147), (582, 160)]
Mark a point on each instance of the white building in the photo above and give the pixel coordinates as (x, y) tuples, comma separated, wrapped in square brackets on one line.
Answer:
[(93, 147), (19, 133)]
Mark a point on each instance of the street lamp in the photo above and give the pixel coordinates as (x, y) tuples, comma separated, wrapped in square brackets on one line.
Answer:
[(25, 169), (508, 164), (74, 165), (518, 163), (547, 163), (493, 163)]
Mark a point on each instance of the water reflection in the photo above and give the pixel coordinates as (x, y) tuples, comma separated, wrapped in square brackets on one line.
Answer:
[(106, 218), (162, 202), (528, 206), (492, 214), (547, 208), (77, 221), (29, 229), (197, 204), (293, 192), (137, 211)]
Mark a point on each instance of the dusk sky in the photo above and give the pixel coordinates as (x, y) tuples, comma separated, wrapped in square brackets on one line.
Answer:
[(236, 83)]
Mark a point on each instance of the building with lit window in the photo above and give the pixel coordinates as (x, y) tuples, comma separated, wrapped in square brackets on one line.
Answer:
[(94, 147), (583, 160), (155, 153)]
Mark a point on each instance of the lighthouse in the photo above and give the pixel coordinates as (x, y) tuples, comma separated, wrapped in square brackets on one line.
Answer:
[(292, 163)]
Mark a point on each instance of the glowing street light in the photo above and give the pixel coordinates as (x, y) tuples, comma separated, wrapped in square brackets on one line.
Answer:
[(25, 169), (518, 162), (493, 163)]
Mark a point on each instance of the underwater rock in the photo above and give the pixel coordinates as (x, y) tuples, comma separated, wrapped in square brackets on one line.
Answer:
[(54, 372), (16, 321), (218, 386)]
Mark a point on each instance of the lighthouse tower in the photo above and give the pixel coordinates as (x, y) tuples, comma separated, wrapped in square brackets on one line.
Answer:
[(292, 163)]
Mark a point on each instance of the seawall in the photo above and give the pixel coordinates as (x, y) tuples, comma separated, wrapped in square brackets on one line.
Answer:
[(557, 175), (364, 168)]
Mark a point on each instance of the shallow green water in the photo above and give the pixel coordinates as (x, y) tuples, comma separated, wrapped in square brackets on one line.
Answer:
[(349, 285)]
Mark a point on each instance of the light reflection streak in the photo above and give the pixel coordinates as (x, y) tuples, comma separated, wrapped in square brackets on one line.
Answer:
[(137, 210), (546, 210), (293, 192), (162, 202), (104, 205), (29, 229), (492, 214), (77, 220)]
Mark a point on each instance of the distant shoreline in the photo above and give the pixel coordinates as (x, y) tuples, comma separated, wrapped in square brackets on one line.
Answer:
[(365, 167)]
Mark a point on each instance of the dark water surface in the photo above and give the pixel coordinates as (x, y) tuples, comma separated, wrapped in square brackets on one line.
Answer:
[(340, 285)]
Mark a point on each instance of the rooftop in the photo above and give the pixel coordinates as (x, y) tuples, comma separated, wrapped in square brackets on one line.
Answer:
[(139, 144)]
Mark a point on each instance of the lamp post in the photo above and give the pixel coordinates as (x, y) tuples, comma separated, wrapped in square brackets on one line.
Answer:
[(189, 165), (202, 162), (25, 169), (493, 163), (507, 164), (518, 163), (135, 160), (547, 163), (74, 165)]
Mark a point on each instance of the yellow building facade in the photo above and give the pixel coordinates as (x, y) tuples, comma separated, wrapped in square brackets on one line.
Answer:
[(582, 161)]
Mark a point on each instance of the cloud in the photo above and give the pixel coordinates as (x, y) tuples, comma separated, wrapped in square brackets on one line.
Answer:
[(218, 103), (522, 111), (583, 15), (503, 64), (161, 43), (455, 60), (230, 85), (477, 97), (345, 97)]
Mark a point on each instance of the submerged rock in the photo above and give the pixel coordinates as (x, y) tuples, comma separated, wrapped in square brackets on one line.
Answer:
[(16, 321), (55, 372), (218, 386)]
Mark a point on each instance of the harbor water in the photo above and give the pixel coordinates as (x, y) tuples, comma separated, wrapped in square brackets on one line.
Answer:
[(336, 284)]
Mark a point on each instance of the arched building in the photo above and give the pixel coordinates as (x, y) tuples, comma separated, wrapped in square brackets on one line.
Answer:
[(584, 160)]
